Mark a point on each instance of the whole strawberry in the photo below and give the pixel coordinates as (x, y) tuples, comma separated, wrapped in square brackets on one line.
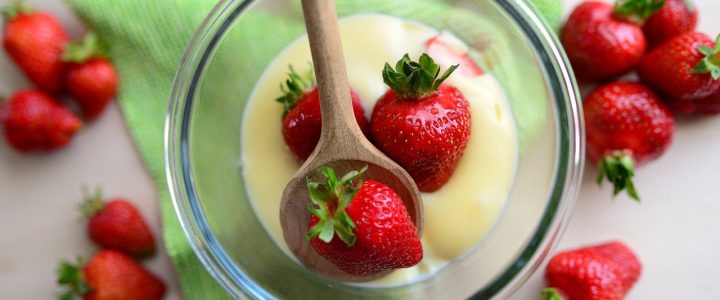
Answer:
[(117, 224), (90, 77), (674, 18), (602, 272), (109, 275), (35, 41), (626, 125), (361, 226), (685, 69), (34, 121), (421, 123), (302, 122), (603, 42)]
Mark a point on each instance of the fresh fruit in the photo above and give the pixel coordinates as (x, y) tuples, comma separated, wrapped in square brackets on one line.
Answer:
[(361, 226), (35, 41), (674, 18), (684, 69), (90, 77), (603, 272), (706, 106), (117, 224), (34, 121), (302, 122), (602, 42), (626, 125), (109, 275), (447, 50), (421, 123)]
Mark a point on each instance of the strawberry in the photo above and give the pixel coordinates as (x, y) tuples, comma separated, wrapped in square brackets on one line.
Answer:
[(686, 69), (117, 224), (626, 125), (361, 226), (301, 121), (35, 41), (90, 77), (448, 50), (602, 42), (674, 18), (421, 123), (603, 272), (35, 121), (109, 275)]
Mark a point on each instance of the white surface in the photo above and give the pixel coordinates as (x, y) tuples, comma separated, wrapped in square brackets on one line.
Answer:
[(674, 230)]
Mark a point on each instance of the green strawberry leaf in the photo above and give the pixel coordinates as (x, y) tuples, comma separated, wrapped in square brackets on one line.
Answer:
[(15, 9), (637, 10), (711, 62), (293, 90), (71, 275), (619, 169), (550, 294), (337, 194), (414, 79), (89, 48)]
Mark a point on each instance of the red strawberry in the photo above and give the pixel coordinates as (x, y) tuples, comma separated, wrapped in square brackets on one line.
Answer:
[(109, 275), (685, 69), (706, 106), (34, 121), (602, 42), (626, 125), (302, 123), (35, 41), (90, 78), (361, 226), (603, 272), (674, 18), (441, 48), (421, 123), (117, 224)]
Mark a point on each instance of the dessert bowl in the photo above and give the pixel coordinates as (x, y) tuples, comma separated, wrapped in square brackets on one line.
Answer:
[(208, 172)]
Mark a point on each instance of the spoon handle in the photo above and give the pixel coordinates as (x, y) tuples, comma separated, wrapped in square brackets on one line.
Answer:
[(327, 54)]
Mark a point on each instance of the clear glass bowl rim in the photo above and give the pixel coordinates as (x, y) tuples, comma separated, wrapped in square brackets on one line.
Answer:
[(566, 181)]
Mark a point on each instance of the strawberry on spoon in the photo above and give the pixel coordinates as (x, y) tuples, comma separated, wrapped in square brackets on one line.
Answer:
[(626, 125), (361, 226), (421, 123)]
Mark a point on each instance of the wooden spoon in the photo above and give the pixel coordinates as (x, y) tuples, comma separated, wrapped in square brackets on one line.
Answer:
[(342, 145)]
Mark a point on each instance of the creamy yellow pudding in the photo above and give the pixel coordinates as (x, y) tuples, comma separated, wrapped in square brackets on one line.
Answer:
[(458, 215)]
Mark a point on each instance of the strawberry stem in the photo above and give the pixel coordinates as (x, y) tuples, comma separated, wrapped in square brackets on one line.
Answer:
[(92, 204), (711, 62), (16, 8), (70, 275), (551, 294), (333, 193), (89, 48), (295, 87), (619, 169), (637, 10), (415, 79)]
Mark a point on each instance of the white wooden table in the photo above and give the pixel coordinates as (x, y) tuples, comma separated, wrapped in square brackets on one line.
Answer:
[(675, 231)]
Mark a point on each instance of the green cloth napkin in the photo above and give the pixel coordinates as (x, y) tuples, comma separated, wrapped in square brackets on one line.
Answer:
[(147, 39)]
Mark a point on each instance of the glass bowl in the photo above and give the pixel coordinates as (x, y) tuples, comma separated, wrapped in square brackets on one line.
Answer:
[(229, 53)]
